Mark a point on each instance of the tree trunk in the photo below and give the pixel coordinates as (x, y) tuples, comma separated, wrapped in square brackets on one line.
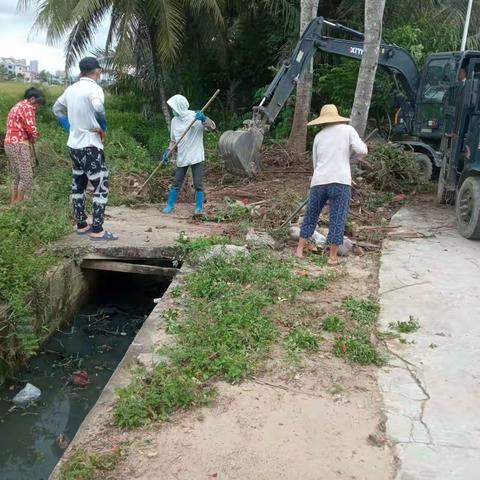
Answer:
[(163, 96), (368, 66), (298, 135), (157, 82)]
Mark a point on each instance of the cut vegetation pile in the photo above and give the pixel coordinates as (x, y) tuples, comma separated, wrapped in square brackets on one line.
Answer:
[(389, 168)]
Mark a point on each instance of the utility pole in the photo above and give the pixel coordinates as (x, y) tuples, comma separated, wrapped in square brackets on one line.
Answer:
[(467, 25)]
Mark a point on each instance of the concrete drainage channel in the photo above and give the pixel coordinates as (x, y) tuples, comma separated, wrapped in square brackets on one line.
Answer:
[(77, 369)]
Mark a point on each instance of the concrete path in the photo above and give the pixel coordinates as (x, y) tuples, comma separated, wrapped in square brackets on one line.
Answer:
[(432, 386), (142, 232)]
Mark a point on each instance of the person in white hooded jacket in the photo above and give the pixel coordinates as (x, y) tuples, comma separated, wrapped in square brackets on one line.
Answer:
[(190, 151)]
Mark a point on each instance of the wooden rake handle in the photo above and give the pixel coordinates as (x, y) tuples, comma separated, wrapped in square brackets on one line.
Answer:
[(214, 96)]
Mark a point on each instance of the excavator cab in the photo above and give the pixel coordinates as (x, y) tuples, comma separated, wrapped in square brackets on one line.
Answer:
[(439, 74), (459, 180)]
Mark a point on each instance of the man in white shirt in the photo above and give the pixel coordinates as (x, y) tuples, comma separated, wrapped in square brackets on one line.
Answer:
[(332, 178), (80, 110)]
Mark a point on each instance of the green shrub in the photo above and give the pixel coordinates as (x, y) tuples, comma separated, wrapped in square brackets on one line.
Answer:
[(358, 348), (333, 323), (301, 339)]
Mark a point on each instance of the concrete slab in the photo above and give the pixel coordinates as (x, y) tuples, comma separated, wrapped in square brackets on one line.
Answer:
[(431, 388), (146, 232)]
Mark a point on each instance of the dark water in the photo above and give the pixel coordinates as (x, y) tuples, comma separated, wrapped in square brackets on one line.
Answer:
[(33, 439)]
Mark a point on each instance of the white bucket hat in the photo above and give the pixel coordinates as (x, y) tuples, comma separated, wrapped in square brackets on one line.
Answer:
[(328, 114)]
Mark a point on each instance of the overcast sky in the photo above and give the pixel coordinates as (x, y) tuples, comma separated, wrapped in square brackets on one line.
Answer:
[(15, 29)]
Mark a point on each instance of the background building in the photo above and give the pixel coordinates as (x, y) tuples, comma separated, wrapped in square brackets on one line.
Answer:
[(34, 66), (15, 68)]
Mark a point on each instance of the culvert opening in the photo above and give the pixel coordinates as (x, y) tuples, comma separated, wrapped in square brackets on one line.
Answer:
[(73, 366)]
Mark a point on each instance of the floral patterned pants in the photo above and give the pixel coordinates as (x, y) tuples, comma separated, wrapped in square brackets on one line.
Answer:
[(20, 159), (89, 165), (338, 197)]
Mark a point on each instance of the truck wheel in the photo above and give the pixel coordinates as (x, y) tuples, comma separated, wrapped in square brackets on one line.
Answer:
[(468, 208), (425, 165)]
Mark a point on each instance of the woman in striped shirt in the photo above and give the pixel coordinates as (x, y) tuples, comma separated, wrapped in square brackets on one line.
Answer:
[(21, 134)]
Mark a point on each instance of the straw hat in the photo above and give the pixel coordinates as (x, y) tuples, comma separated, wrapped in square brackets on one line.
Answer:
[(328, 114)]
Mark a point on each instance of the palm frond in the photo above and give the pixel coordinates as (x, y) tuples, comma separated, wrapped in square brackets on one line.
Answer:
[(287, 10), (85, 28), (168, 17)]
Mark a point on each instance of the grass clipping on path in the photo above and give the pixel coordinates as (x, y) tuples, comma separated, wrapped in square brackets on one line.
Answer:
[(225, 333)]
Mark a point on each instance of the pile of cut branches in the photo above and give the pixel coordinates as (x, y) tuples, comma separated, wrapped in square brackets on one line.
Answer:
[(390, 168)]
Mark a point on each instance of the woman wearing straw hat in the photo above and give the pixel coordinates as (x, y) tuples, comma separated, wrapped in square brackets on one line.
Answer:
[(332, 178)]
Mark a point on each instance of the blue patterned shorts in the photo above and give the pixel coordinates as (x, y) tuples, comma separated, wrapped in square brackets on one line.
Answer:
[(338, 197)]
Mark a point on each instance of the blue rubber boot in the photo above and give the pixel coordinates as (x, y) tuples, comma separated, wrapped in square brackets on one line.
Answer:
[(172, 200), (199, 199)]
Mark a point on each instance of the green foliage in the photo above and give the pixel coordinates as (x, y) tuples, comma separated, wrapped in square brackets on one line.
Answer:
[(171, 321), (377, 200), (231, 212), (363, 312), (84, 466), (191, 247), (301, 339), (410, 326), (393, 169), (357, 347), (356, 342), (424, 36), (156, 395), (333, 323), (226, 332), (320, 260), (336, 84)]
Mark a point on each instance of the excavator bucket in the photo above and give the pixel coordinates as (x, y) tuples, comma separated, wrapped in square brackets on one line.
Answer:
[(240, 150)]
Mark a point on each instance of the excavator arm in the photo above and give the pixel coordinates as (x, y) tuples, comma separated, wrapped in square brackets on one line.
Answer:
[(315, 39), (240, 149)]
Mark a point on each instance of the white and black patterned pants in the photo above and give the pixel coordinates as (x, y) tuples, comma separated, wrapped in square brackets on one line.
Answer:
[(89, 165)]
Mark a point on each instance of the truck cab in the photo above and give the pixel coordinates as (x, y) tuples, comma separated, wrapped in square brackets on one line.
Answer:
[(439, 74), (459, 180)]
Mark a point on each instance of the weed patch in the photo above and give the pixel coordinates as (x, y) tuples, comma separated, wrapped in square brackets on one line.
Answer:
[(357, 347), (171, 321), (84, 466), (225, 333), (319, 260), (406, 327), (355, 344), (333, 323), (363, 312), (192, 247), (232, 212), (377, 200), (301, 339)]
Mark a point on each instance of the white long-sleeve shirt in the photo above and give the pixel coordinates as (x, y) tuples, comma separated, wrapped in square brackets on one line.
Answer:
[(332, 149), (82, 102)]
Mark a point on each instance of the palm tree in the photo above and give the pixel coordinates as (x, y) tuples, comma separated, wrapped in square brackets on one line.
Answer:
[(146, 35), (368, 67), (298, 135)]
